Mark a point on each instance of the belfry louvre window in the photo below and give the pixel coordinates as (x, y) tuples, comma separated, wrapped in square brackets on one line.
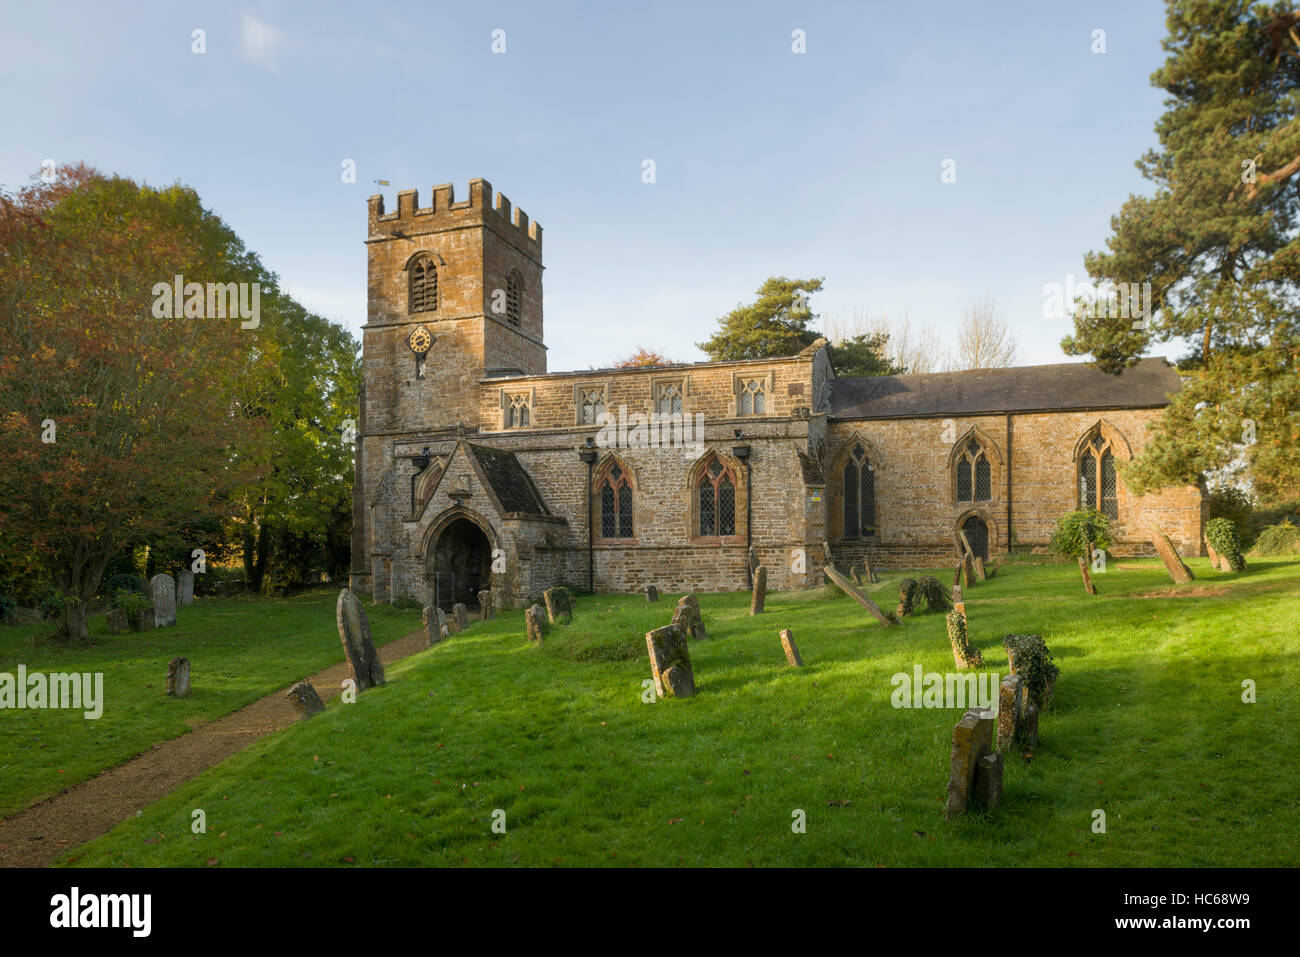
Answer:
[(422, 289), (1097, 484), (668, 401), (974, 476), (615, 491), (593, 404), (518, 410), (717, 500), (514, 291), (753, 397), (859, 495)]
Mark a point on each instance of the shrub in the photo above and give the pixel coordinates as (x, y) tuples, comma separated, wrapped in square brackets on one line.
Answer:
[(1076, 530), (132, 602), (1236, 505), (123, 582), (1033, 662), (406, 603), (1283, 539), (1222, 536)]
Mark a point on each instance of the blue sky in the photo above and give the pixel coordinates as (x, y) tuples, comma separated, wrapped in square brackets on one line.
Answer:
[(767, 162)]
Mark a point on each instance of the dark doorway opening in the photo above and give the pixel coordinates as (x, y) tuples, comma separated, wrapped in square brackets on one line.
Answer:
[(462, 564), (977, 533)]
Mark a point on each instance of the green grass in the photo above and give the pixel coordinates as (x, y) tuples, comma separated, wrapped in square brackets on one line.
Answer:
[(239, 650), (1147, 724)]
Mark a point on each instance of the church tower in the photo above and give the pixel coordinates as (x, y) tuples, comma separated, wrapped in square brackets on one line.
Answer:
[(454, 295)]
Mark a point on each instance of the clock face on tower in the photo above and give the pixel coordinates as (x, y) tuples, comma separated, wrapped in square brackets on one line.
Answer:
[(419, 340)]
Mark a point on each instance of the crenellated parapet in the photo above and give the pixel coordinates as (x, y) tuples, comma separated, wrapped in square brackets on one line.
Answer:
[(445, 212)]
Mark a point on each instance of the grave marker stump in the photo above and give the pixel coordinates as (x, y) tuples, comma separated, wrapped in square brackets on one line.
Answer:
[(178, 677), (535, 623), (760, 591), (791, 649), (305, 700)]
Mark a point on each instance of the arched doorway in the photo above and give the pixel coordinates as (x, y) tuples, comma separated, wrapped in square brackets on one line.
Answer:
[(977, 533), (462, 564)]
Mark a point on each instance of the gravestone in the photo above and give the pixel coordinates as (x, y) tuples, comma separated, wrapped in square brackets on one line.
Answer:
[(856, 594), (461, 614), (791, 649), (853, 574), (956, 577), (119, 622), (980, 574), (988, 781), (972, 739), (535, 623), (967, 572), (305, 699), (1216, 560), (178, 677), (964, 653), (143, 620), (1011, 710), (1164, 546), (185, 588), (559, 604), (435, 625), (956, 594), (485, 605), (358, 645), (752, 559), (760, 591), (651, 593), (670, 662), (868, 572), (906, 597), (687, 616), (162, 595)]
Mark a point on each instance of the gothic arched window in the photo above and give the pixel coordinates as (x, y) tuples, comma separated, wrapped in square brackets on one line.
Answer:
[(716, 491), (974, 475), (514, 293), (1097, 484), (859, 494), (614, 490), (422, 285)]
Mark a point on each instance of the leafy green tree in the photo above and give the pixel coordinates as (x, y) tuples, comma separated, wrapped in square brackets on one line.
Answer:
[(1218, 243), (774, 325), (863, 355)]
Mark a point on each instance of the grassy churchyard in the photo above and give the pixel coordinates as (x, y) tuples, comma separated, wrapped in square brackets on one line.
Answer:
[(1148, 724)]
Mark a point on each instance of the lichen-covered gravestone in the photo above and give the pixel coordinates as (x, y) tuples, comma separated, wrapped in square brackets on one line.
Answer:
[(972, 739), (485, 605), (1011, 708), (178, 677), (535, 622), (651, 593), (162, 595), (435, 624), (791, 649), (462, 615), (559, 604), (980, 574), (670, 662), (759, 595), (305, 700), (687, 615), (358, 645), (185, 588), (964, 653)]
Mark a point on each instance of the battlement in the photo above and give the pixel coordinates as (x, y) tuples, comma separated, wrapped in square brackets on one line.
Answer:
[(446, 213)]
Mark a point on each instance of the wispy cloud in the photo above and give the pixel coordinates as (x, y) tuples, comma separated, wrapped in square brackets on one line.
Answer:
[(259, 39)]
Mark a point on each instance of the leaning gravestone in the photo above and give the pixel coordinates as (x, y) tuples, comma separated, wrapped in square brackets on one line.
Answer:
[(435, 625), (687, 616), (980, 574), (651, 593), (972, 739), (535, 623), (854, 576), (559, 604), (358, 645), (485, 605), (759, 594), (305, 700), (185, 588), (856, 594), (964, 653), (868, 572), (178, 677), (162, 595), (1164, 546), (670, 662), (119, 623), (791, 649)]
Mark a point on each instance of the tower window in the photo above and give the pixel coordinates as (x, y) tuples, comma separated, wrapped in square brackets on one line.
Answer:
[(422, 289), (514, 293)]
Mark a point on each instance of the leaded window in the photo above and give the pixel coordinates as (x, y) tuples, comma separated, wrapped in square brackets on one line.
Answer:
[(859, 495), (517, 410), (974, 474), (615, 490), (1097, 481), (514, 292), (593, 405), (717, 500), (422, 288), (669, 399), (753, 397)]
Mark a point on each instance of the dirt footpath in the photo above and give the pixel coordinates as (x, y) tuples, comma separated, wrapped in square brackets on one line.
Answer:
[(45, 832)]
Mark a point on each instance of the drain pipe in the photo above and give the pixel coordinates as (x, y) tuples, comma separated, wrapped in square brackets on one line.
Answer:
[(742, 453), (588, 455), (1008, 483)]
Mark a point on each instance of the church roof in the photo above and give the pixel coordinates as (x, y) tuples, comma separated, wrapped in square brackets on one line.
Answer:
[(1051, 388), (508, 480)]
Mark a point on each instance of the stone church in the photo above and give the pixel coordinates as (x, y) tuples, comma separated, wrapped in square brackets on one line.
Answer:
[(477, 468)]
